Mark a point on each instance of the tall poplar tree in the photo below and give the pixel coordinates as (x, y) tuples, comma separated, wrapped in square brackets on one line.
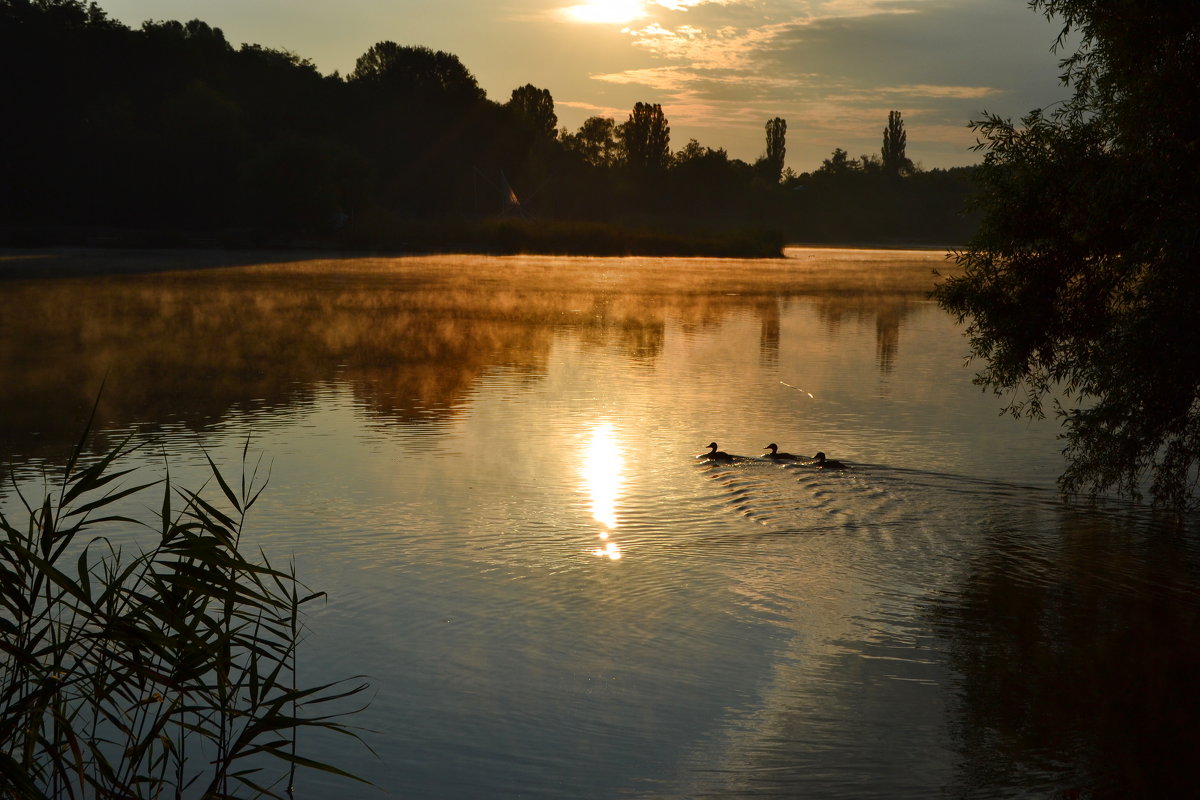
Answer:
[(776, 147), (895, 140), (646, 138)]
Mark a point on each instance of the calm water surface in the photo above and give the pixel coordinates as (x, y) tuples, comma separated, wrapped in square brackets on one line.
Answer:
[(489, 465)]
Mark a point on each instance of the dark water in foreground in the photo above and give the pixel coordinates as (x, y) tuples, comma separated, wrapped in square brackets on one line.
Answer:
[(489, 465)]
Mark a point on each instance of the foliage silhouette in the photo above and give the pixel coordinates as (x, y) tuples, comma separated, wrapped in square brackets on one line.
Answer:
[(535, 108), (895, 141), (646, 138), (1082, 279), (596, 141), (776, 148), (417, 73), (168, 135)]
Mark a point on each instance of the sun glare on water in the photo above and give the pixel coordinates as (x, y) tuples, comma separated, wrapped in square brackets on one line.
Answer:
[(602, 477), (606, 11)]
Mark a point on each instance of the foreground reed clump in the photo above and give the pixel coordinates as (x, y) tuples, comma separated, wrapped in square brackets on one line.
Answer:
[(169, 673)]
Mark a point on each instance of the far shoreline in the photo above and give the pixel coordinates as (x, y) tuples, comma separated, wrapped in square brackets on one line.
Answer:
[(51, 261), (504, 235), (494, 236)]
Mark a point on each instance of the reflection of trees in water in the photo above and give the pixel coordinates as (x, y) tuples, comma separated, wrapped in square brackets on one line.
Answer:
[(769, 331), (887, 335), (190, 349), (636, 327), (1079, 663), (888, 310), (186, 348)]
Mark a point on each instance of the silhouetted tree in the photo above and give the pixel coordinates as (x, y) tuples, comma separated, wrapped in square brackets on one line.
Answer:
[(166, 131), (838, 163), (535, 107), (1082, 280), (416, 71), (646, 138), (691, 151), (596, 141), (709, 187), (776, 148), (197, 33), (895, 139), (423, 120)]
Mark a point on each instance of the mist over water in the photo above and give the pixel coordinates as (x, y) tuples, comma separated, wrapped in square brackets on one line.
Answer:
[(490, 466)]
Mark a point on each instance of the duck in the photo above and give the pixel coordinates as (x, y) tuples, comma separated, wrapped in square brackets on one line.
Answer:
[(778, 456), (714, 453), (827, 463)]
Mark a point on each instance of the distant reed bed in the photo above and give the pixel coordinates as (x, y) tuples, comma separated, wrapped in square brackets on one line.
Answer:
[(513, 235), (379, 231)]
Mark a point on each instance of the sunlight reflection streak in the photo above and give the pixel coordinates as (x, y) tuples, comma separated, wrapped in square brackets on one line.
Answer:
[(603, 467)]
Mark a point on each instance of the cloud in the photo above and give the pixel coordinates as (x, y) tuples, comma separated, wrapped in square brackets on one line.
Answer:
[(593, 110), (741, 44), (728, 47), (697, 81), (927, 90), (684, 5), (834, 69)]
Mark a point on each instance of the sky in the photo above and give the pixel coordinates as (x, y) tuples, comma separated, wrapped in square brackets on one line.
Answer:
[(720, 68)]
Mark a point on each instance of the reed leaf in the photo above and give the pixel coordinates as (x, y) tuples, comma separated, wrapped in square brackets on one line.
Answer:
[(60, 579), (312, 764), (83, 436), (109, 499), (166, 507), (91, 479), (229, 495)]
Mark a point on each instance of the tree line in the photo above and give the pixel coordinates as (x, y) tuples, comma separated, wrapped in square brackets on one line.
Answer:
[(169, 128)]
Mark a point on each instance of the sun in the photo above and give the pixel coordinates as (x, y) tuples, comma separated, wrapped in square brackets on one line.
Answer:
[(606, 11)]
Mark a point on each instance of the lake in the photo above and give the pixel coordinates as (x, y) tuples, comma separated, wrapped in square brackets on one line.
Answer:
[(490, 464)]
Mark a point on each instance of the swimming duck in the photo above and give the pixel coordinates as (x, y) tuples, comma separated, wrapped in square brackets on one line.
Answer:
[(776, 455), (719, 455), (827, 463)]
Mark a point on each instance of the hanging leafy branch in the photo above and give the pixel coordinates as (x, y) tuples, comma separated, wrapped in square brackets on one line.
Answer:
[(1081, 287)]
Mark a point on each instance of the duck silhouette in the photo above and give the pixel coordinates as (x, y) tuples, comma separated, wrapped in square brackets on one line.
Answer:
[(716, 454), (778, 456), (827, 463)]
